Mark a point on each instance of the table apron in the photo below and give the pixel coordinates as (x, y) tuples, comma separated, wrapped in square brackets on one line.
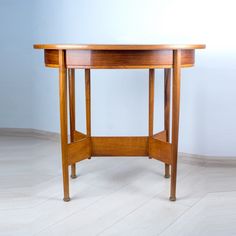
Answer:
[(118, 59)]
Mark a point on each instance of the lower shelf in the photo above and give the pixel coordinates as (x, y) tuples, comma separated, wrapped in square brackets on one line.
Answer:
[(119, 146), (160, 149), (79, 150), (84, 147)]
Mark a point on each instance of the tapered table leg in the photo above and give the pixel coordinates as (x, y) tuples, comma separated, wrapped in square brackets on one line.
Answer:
[(175, 119), (63, 122), (167, 77), (151, 102), (88, 102), (71, 74)]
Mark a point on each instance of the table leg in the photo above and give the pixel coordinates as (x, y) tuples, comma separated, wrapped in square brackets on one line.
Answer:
[(71, 74), (175, 119), (63, 122), (167, 77), (88, 103), (151, 102)]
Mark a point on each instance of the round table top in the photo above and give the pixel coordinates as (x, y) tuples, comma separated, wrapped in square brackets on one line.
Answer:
[(119, 46)]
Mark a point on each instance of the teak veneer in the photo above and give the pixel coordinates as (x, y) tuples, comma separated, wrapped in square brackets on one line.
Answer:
[(68, 57)]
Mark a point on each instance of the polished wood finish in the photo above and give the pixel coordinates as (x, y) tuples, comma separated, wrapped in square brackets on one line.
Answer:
[(51, 58), (160, 136), (88, 104), (167, 77), (78, 135), (151, 103), (83, 146), (63, 122), (159, 148), (119, 46), (119, 146), (79, 150), (118, 59), (71, 77), (125, 59), (175, 120)]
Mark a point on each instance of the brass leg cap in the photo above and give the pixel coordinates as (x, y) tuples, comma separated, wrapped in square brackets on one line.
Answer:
[(167, 176), (173, 199), (66, 199), (73, 176)]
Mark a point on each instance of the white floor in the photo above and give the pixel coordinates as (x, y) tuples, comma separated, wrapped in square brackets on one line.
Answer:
[(111, 196)]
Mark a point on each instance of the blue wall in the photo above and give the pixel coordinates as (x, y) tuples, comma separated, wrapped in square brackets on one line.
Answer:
[(16, 73)]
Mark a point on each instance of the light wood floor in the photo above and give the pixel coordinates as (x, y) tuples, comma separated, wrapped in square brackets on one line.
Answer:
[(111, 196)]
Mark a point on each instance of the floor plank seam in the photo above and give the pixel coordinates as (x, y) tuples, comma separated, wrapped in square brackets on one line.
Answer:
[(230, 191), (36, 205), (121, 218), (113, 192), (140, 206), (75, 212), (180, 216), (32, 204)]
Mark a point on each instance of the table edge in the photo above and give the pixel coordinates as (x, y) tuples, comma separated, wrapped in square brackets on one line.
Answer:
[(119, 46)]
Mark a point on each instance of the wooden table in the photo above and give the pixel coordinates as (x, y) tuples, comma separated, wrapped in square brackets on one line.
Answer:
[(81, 146)]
